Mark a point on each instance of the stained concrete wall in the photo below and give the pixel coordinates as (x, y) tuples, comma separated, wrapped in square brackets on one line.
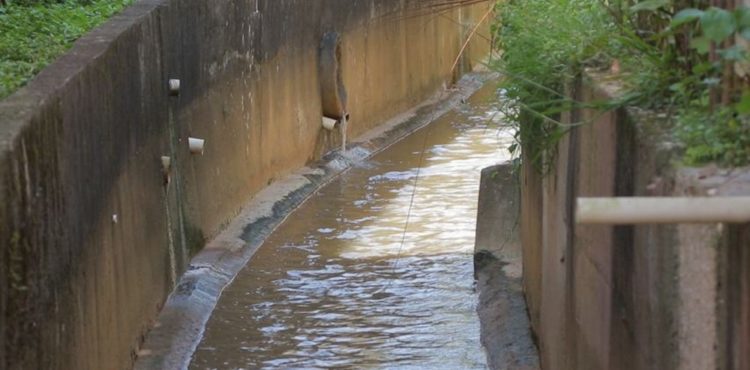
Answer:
[(92, 239), (630, 297)]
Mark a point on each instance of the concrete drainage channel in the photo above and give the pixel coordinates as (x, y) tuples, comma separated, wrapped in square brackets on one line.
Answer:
[(180, 325)]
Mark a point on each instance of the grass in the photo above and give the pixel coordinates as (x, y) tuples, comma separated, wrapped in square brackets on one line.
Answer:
[(34, 35), (542, 51)]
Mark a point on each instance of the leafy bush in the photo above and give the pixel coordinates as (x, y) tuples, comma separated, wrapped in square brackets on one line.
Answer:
[(34, 32), (714, 130), (677, 59), (719, 136)]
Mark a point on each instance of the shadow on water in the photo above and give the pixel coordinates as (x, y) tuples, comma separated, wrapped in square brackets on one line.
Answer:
[(335, 287)]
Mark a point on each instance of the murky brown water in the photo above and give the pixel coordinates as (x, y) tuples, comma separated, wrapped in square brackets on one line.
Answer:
[(333, 287)]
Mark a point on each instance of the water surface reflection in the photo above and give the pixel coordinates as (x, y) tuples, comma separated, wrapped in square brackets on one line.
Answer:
[(335, 287)]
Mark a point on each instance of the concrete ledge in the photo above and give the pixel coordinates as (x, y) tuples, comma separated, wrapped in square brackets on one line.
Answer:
[(498, 213), (505, 326)]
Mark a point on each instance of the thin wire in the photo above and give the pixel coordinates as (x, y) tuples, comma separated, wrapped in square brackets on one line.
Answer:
[(413, 195), (428, 130)]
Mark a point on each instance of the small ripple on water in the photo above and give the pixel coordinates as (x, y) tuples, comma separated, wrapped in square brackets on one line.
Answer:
[(334, 287)]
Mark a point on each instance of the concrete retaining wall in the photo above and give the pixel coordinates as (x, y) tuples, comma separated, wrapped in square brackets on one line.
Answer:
[(505, 328), (92, 239), (631, 297)]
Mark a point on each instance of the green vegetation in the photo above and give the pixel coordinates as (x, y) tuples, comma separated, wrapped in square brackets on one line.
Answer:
[(714, 128), (34, 33), (545, 44), (679, 57)]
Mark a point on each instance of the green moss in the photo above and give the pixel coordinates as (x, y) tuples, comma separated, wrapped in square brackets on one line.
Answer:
[(34, 33)]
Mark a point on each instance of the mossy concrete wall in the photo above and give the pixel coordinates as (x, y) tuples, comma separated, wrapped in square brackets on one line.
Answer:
[(92, 238), (630, 297)]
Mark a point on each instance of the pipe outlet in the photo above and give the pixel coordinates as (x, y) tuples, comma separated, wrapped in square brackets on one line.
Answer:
[(329, 123), (174, 87), (196, 145), (166, 169)]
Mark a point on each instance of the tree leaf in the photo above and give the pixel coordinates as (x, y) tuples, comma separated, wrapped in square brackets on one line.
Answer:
[(701, 44), (649, 5), (685, 16), (742, 14), (718, 24), (743, 106), (711, 81), (702, 68), (734, 53)]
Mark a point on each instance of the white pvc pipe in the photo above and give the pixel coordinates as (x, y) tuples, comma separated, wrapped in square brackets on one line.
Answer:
[(166, 169), (661, 210), (166, 163), (329, 123), (174, 87), (196, 145)]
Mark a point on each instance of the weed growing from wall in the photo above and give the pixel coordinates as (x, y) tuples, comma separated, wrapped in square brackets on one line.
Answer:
[(545, 44)]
